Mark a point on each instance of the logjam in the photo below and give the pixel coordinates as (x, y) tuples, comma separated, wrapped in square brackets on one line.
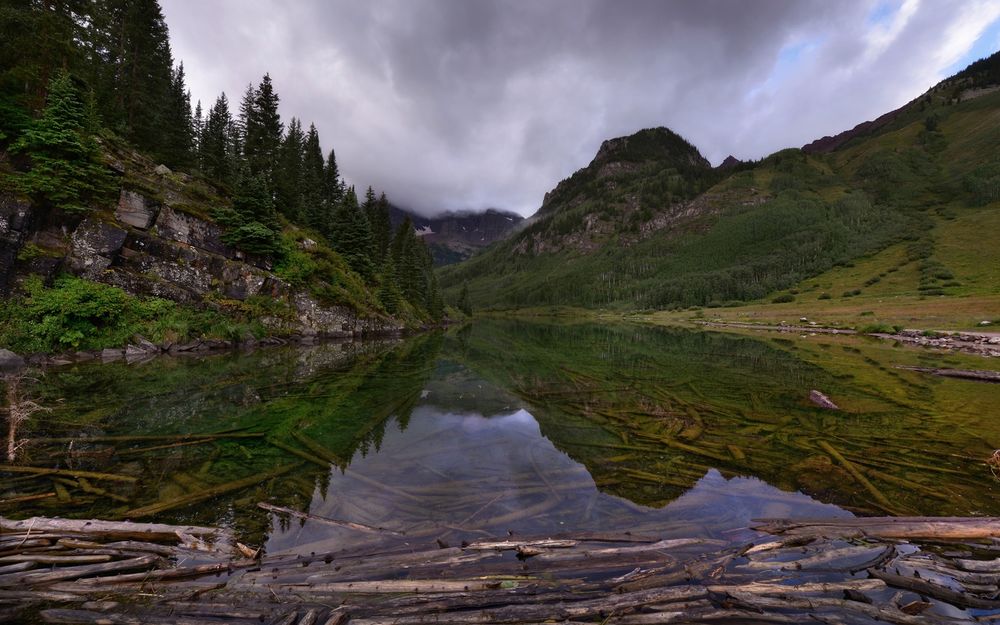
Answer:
[(822, 571)]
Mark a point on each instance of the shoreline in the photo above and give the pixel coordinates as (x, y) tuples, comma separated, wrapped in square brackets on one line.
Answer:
[(142, 350)]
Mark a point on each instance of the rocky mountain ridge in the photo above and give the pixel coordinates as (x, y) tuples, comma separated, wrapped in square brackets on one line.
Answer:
[(454, 236)]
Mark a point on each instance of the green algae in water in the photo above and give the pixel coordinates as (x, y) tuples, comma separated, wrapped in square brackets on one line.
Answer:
[(506, 425)]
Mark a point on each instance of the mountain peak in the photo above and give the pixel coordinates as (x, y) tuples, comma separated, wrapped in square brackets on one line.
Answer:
[(650, 144)]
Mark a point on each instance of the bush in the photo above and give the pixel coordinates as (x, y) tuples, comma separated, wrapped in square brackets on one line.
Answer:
[(79, 314), (824, 296), (783, 299)]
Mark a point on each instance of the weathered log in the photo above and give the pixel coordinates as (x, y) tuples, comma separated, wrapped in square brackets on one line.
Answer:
[(76, 572), (962, 374), (7, 468), (25, 498), (320, 519), (108, 529), (209, 493), (53, 559), (947, 528), (298, 452), (857, 475), (930, 589)]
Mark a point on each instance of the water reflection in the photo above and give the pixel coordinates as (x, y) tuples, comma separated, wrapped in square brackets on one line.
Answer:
[(460, 476), (508, 426)]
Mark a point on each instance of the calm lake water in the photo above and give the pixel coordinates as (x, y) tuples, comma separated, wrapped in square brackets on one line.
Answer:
[(504, 426)]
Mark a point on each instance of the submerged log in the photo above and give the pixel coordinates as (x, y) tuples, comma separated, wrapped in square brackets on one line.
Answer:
[(320, 519), (208, 493), (7, 468), (857, 475)]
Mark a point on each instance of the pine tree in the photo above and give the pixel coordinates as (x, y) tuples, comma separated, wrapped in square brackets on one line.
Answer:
[(312, 181), (334, 186), (216, 160), (288, 178), (197, 128), (65, 161), (352, 237), (177, 134), (39, 39), (135, 70), (252, 223), (381, 227), (263, 132), (388, 292), (245, 118)]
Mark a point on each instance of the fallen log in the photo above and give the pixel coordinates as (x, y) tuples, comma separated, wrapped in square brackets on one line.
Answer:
[(76, 572), (208, 493), (7, 468), (962, 374), (320, 519), (929, 528), (42, 527)]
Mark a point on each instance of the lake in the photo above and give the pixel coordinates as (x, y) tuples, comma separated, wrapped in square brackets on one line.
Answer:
[(505, 426)]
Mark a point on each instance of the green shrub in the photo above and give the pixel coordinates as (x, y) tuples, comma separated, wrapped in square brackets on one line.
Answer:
[(80, 314), (783, 299), (824, 296)]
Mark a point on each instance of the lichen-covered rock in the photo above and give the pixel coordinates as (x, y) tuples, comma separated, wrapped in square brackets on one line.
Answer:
[(93, 247), (10, 362), (327, 322), (135, 210), (188, 229), (15, 217)]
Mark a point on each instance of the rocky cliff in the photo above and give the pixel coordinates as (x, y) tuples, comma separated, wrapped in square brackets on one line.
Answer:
[(159, 240)]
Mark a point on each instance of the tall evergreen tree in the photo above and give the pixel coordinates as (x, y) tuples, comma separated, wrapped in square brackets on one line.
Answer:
[(197, 128), (216, 155), (334, 186), (352, 236), (39, 39), (65, 160), (135, 74), (312, 181), (381, 227), (263, 132), (288, 178), (177, 133), (245, 118)]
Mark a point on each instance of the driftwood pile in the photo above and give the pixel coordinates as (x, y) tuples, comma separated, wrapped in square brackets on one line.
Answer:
[(887, 570)]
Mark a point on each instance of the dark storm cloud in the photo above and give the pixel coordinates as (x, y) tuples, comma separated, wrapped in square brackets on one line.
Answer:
[(449, 104)]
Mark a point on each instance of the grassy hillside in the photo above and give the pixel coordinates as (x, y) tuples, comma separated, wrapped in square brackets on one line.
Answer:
[(907, 209)]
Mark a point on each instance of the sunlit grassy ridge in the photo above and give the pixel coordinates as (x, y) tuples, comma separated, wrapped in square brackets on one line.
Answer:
[(909, 210)]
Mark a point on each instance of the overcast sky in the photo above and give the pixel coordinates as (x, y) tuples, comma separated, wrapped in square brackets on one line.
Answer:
[(470, 104)]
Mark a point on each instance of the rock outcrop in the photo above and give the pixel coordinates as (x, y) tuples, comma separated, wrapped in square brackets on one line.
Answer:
[(154, 247)]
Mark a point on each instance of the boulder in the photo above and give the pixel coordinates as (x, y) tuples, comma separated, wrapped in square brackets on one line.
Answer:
[(185, 228), (15, 217), (135, 210), (108, 354), (10, 362), (162, 170), (93, 246), (822, 400)]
